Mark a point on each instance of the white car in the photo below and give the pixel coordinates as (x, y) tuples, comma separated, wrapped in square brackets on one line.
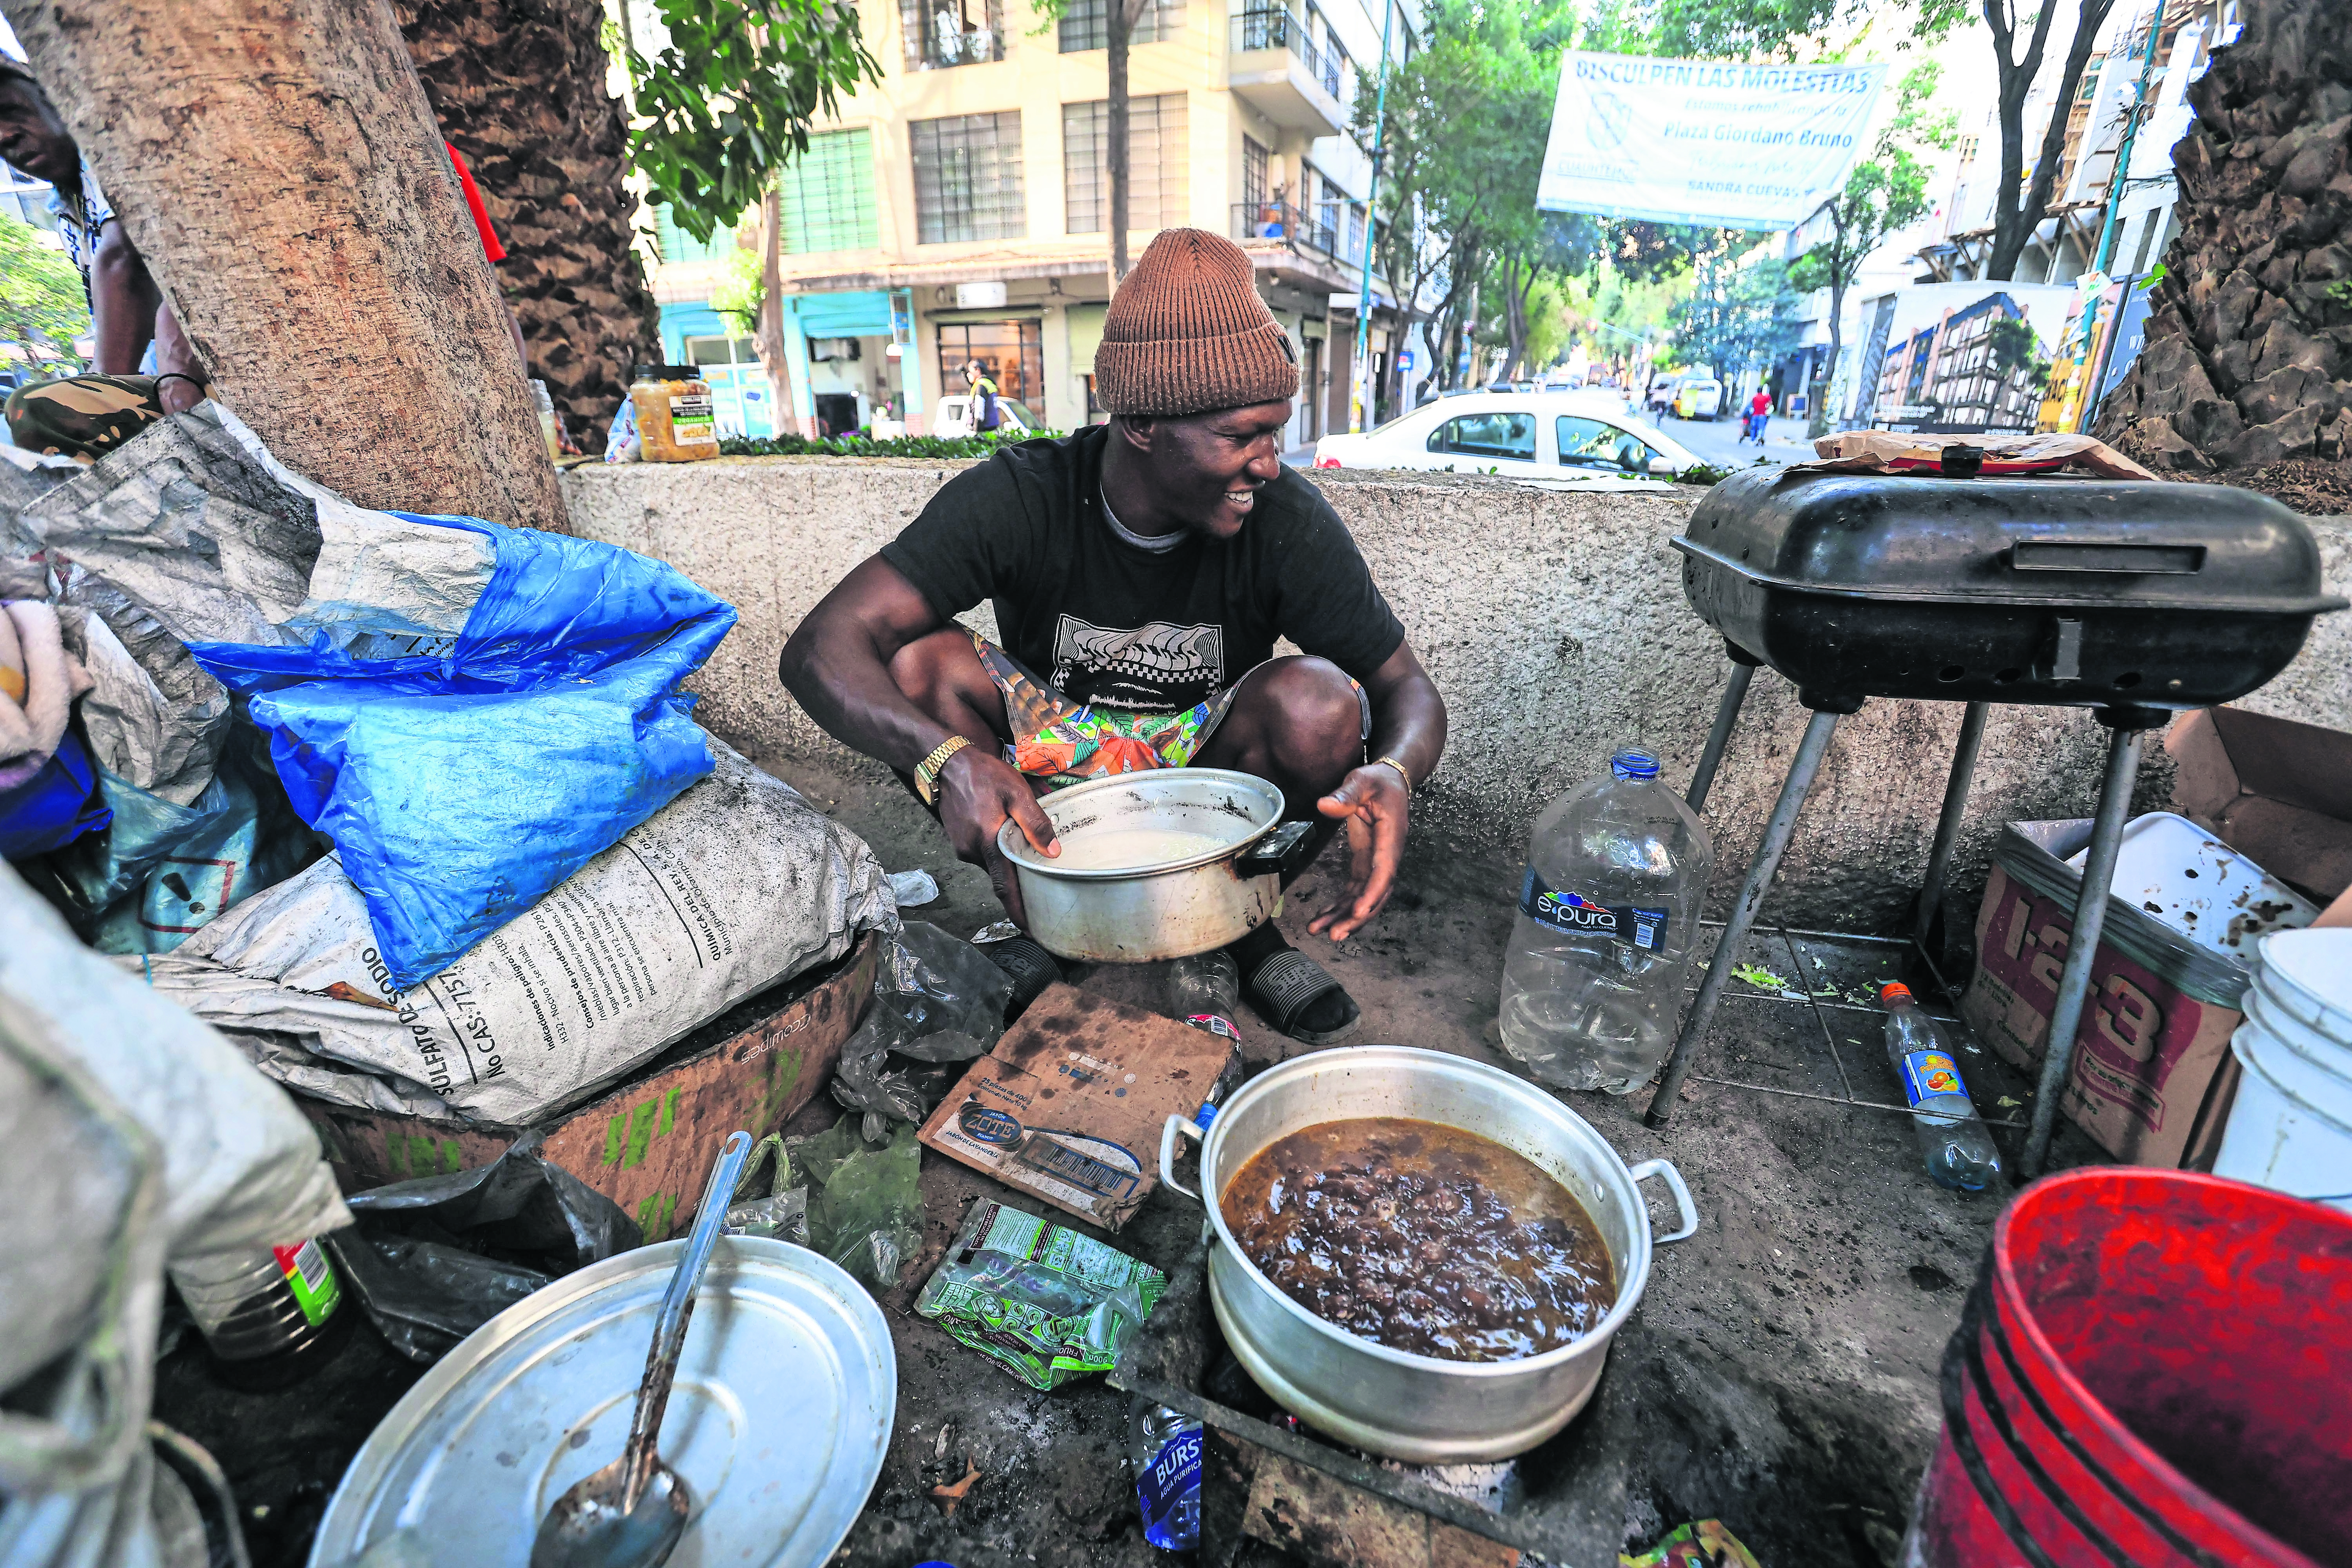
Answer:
[(957, 411), (1570, 436)]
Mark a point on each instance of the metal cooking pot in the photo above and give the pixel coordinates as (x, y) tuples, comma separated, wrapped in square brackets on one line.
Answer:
[(1165, 908), (1418, 1408)]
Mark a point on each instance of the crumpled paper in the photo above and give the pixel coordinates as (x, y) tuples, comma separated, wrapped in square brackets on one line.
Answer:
[(1953, 457)]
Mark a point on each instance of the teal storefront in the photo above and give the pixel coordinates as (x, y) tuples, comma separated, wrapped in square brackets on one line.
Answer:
[(741, 391)]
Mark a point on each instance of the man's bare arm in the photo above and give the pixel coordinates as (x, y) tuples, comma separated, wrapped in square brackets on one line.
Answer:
[(1408, 724), (837, 665), (123, 301)]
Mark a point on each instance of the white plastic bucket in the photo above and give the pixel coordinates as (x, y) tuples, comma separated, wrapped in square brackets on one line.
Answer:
[(2309, 974), (2276, 1137), (2312, 1064)]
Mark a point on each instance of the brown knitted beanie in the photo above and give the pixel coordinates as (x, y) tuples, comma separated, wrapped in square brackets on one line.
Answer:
[(1187, 334)]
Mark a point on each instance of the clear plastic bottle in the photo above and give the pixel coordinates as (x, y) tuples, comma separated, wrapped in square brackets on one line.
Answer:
[(1164, 1446), (1608, 925), (265, 1311), (1953, 1139)]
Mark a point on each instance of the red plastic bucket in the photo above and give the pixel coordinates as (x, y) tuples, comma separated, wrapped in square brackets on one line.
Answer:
[(2154, 1368)]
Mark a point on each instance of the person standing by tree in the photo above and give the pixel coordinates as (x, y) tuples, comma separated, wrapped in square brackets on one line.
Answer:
[(86, 416)]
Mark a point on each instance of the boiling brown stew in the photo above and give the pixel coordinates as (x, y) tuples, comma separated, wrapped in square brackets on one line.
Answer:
[(1423, 1238)]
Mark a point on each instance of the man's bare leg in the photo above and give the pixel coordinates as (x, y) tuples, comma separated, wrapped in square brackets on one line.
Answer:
[(1299, 722)]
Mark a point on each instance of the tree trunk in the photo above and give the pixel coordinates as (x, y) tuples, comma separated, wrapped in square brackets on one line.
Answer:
[(767, 341), (520, 87), (2015, 218), (276, 164), (2249, 355), (1119, 18), (1817, 421)]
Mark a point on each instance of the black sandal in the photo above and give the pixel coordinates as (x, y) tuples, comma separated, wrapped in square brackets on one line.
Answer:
[(1286, 985)]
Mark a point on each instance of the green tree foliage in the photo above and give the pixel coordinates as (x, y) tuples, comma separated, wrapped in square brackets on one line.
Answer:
[(1720, 29), (41, 303), (729, 99), (1736, 316), (1886, 194), (2021, 42)]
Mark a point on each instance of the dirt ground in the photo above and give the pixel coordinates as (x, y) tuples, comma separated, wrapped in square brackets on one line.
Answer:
[(1786, 1382), (1800, 1329)]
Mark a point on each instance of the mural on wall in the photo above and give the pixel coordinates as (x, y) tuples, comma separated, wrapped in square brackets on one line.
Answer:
[(1978, 369)]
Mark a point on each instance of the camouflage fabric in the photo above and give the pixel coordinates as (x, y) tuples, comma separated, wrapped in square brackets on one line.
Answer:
[(82, 417)]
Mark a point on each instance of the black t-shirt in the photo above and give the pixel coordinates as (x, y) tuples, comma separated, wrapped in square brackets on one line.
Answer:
[(1106, 621)]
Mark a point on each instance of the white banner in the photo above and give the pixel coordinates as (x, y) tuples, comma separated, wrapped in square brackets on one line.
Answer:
[(1698, 141)]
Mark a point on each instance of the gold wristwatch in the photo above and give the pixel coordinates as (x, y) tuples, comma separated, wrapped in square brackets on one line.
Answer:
[(927, 772)]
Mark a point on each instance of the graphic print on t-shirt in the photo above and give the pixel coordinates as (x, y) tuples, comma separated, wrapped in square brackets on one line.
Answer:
[(1158, 667)]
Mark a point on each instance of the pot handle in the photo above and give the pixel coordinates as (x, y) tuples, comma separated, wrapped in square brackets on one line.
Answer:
[(1686, 1211), (1177, 1126)]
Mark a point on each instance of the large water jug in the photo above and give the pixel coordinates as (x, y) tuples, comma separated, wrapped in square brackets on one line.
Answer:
[(1608, 925)]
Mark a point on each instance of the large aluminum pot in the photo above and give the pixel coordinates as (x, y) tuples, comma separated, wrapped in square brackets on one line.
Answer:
[(1166, 908), (1418, 1408)]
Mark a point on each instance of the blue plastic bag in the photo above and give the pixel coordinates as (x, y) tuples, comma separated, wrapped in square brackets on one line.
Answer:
[(55, 806), (461, 790)]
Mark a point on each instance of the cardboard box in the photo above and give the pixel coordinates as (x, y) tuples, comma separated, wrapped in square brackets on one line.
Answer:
[(2276, 790), (2152, 1078), (1069, 1105), (649, 1145)]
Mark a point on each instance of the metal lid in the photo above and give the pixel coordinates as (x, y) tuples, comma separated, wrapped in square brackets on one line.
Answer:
[(779, 1420)]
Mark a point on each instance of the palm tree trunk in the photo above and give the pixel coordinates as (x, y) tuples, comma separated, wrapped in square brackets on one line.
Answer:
[(520, 87), (278, 167)]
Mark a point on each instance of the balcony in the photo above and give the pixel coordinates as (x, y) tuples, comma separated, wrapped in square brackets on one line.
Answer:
[(1302, 245), (1278, 70)]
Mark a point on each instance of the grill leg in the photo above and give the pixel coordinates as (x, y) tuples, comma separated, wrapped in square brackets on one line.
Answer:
[(1726, 715), (1948, 825), (1777, 832), (2090, 915)]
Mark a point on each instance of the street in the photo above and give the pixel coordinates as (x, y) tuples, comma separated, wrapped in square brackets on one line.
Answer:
[(1718, 440)]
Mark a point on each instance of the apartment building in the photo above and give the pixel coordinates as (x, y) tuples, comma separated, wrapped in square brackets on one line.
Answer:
[(957, 209)]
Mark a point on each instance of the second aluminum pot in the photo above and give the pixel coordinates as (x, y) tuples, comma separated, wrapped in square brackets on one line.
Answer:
[(1169, 908), (1422, 1409)]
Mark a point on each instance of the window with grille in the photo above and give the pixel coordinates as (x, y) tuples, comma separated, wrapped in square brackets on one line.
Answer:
[(1252, 173), (675, 245), (1086, 25), (826, 194), (967, 178), (943, 33), (1156, 163)]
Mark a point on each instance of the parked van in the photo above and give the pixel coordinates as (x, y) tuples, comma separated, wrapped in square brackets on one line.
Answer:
[(1700, 397)]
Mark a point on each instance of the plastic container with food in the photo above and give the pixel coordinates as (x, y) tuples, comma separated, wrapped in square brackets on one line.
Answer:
[(675, 422)]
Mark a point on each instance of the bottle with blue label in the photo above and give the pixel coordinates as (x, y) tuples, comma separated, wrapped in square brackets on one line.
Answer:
[(1608, 926), (1164, 1446), (1953, 1139)]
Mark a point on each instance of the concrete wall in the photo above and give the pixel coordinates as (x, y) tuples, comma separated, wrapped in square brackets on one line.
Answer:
[(1553, 623)]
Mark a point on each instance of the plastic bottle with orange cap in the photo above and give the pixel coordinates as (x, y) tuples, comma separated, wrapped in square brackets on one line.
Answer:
[(1953, 1139)]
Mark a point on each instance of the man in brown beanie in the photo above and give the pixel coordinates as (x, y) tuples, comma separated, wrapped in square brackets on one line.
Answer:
[(1140, 573)]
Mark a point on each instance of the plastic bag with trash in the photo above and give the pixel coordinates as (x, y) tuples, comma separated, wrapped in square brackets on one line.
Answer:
[(937, 1002), (765, 1202), (865, 1209), (1047, 1302), (433, 1259)]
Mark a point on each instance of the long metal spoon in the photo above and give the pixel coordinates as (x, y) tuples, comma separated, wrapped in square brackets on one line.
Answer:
[(630, 1513)]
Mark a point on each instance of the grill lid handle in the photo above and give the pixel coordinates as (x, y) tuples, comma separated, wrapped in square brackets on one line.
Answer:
[(2104, 555)]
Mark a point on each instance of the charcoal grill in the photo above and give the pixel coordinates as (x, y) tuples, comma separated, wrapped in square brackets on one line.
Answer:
[(2132, 598)]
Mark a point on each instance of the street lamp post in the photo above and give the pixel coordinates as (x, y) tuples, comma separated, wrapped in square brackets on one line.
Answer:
[(1363, 377)]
